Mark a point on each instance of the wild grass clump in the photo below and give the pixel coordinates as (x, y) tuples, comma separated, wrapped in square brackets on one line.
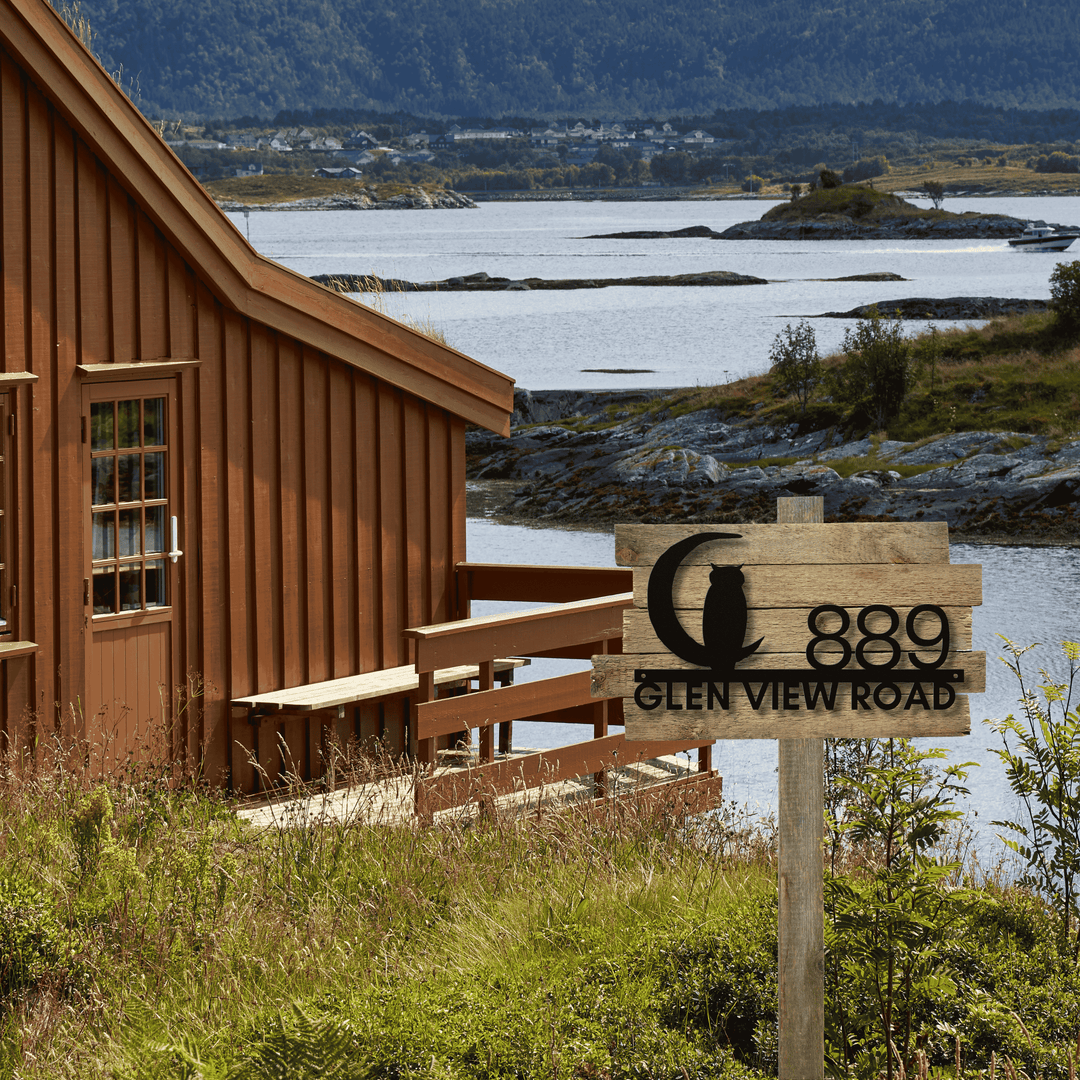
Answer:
[(381, 295)]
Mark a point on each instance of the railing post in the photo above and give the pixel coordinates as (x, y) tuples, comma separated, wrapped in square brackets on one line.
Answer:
[(423, 750), (600, 730), (487, 733)]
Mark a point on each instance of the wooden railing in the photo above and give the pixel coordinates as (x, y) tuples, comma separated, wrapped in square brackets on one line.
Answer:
[(585, 621)]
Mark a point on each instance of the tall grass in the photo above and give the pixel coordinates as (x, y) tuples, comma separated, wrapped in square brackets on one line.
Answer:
[(163, 934), (377, 294)]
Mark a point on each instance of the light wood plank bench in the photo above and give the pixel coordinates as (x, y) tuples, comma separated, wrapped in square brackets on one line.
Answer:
[(332, 697)]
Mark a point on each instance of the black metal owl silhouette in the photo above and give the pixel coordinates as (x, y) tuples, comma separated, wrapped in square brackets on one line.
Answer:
[(723, 615), (724, 618)]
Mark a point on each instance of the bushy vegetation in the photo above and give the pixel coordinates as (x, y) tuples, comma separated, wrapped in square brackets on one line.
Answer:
[(147, 931), (873, 379), (850, 200), (1015, 374), (1056, 162)]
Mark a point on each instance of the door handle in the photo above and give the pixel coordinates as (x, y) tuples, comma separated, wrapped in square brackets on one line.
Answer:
[(176, 552)]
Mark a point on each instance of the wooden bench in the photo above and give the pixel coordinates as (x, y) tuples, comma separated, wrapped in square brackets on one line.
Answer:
[(327, 701)]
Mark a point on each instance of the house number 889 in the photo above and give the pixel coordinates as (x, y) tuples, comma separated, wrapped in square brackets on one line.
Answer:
[(882, 643)]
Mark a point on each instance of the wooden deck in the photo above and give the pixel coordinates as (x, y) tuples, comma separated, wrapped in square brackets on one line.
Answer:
[(671, 781)]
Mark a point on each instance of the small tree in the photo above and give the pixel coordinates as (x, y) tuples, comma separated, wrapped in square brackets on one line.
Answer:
[(1041, 753), (830, 179), (1065, 295), (935, 191), (796, 365), (874, 378), (887, 931)]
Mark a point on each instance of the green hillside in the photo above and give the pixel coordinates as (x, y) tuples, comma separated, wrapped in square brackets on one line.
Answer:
[(581, 57)]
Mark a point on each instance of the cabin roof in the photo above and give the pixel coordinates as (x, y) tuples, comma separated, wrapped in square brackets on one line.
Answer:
[(82, 91)]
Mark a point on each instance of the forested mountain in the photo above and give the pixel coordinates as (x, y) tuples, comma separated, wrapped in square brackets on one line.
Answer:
[(226, 58)]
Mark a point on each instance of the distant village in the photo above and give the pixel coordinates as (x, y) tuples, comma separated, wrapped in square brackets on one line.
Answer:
[(347, 157)]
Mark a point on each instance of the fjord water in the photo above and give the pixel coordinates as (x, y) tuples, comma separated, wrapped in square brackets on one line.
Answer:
[(661, 336), (675, 336)]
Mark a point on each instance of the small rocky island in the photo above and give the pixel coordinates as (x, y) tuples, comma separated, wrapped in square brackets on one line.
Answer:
[(702, 466), (481, 282), (858, 212)]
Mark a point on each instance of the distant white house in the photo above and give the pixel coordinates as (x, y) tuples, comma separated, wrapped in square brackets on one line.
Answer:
[(459, 134)]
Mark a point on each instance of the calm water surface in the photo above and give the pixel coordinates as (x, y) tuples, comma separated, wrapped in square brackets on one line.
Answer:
[(666, 336)]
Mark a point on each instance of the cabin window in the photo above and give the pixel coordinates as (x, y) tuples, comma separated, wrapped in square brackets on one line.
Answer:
[(7, 580), (129, 504)]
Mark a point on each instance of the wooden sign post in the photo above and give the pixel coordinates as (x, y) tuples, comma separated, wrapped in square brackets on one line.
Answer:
[(798, 631)]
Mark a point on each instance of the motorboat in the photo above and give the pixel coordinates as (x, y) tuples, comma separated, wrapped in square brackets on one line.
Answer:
[(1038, 236)]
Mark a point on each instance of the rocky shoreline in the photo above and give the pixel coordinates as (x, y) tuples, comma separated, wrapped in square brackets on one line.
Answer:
[(994, 487), (949, 308), (481, 282), (365, 199)]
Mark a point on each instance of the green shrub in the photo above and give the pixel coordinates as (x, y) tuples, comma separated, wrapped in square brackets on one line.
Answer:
[(1065, 295), (33, 943), (796, 365), (873, 381)]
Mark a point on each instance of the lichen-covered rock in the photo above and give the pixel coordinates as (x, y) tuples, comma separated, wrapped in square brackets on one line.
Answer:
[(699, 467)]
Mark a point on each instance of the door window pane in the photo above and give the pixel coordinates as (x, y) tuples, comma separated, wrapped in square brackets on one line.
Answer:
[(155, 583), (131, 587), (155, 529), (104, 532), (154, 469), (127, 423), (103, 481), (128, 469), (101, 425), (104, 590), (130, 533), (154, 422)]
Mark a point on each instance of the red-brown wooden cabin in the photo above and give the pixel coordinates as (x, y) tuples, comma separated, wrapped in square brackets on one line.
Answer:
[(213, 468)]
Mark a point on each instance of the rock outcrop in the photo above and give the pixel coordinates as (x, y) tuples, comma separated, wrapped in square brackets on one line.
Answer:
[(950, 307), (482, 282), (704, 467), (842, 227)]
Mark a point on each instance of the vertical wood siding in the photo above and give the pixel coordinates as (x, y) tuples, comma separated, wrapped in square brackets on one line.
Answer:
[(321, 510)]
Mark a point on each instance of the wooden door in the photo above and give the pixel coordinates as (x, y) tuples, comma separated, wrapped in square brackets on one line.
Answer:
[(131, 590)]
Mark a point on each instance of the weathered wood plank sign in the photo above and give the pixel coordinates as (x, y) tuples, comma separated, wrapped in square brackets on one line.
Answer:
[(794, 631)]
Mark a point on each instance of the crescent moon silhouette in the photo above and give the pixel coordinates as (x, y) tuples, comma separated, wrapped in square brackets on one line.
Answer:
[(662, 604)]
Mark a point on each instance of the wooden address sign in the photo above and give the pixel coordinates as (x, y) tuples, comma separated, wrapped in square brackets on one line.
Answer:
[(794, 631)]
